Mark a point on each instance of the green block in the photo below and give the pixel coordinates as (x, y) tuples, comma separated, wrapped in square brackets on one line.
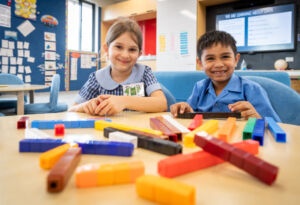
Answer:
[(248, 129)]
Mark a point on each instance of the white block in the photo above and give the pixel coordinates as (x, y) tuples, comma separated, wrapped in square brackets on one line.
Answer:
[(176, 124), (122, 137)]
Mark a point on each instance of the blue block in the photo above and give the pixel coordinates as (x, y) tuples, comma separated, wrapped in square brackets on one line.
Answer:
[(24, 146), (259, 131), (46, 124), (59, 122), (275, 129), (39, 145), (107, 148), (68, 124), (89, 123), (35, 124), (75, 124)]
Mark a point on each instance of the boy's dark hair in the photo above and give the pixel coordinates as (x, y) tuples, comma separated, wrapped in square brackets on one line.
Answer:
[(214, 37)]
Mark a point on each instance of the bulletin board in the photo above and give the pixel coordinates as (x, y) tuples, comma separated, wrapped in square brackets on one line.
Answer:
[(32, 40), (78, 68)]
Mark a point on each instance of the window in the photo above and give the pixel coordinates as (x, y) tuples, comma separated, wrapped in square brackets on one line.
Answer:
[(81, 26)]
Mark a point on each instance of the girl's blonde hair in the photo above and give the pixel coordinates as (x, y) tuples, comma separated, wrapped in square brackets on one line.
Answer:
[(125, 25)]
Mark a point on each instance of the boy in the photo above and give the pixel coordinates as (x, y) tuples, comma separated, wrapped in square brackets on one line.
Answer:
[(223, 91)]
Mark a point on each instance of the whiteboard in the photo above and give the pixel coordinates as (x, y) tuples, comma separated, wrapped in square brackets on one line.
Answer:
[(176, 37)]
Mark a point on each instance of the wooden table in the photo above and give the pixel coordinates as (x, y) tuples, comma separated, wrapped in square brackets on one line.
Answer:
[(20, 90), (22, 181)]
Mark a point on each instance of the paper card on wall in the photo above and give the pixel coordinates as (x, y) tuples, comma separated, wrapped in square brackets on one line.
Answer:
[(20, 45), (30, 60), (5, 12), (50, 73), (26, 28), (27, 69), (21, 69), (26, 45), (10, 35), (19, 61), (50, 46), (9, 52), (5, 60), (4, 69), (48, 36), (13, 60), (50, 55), (73, 69), (27, 79), (20, 53), (13, 70), (48, 78), (27, 53), (2, 52), (20, 76), (4, 43), (50, 65), (11, 45)]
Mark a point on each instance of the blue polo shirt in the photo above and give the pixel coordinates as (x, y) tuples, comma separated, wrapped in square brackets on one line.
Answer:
[(101, 83), (204, 99)]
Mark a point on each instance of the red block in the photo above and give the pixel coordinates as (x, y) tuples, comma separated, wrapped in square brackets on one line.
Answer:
[(156, 124), (249, 163), (184, 163), (22, 123), (59, 129), (197, 121)]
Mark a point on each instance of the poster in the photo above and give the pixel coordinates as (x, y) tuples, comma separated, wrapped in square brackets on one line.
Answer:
[(5, 16), (26, 9)]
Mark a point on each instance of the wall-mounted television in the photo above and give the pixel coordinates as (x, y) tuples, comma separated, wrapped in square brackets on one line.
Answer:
[(269, 28)]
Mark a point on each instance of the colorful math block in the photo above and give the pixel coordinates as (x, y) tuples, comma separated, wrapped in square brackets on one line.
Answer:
[(248, 129), (122, 137), (92, 175), (49, 158), (165, 191), (80, 123), (149, 143), (180, 164), (258, 168), (275, 129), (210, 127), (156, 124), (259, 131), (100, 125), (209, 115), (197, 121), (63, 170), (39, 145), (227, 129), (23, 122), (59, 129)]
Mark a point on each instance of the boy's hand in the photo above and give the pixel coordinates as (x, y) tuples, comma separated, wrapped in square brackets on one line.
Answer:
[(182, 107), (245, 108), (110, 105)]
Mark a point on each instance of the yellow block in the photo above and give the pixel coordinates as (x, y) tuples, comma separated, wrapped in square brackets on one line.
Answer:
[(101, 124), (49, 158), (165, 191), (209, 127)]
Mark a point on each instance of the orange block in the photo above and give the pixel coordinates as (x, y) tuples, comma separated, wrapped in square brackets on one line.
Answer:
[(227, 129), (87, 175), (137, 169), (165, 191), (49, 158)]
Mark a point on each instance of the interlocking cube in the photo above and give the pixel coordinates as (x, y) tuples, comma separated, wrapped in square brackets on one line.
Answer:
[(59, 129), (22, 123)]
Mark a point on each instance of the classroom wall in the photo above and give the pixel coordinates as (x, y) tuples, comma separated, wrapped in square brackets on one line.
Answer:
[(36, 43), (261, 61)]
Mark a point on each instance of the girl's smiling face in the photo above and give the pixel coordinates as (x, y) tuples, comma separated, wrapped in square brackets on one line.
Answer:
[(218, 62), (123, 53)]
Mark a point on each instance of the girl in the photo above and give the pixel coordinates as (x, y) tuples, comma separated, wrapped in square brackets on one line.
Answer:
[(123, 84)]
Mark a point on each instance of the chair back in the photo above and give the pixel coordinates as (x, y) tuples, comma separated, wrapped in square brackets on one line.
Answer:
[(170, 98), (9, 79), (54, 90), (285, 100)]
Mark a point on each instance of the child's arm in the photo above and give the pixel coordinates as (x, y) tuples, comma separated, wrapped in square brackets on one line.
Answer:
[(245, 108), (85, 107), (111, 104), (182, 107)]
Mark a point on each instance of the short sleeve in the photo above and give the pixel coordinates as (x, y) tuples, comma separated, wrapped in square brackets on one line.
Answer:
[(151, 83), (89, 90)]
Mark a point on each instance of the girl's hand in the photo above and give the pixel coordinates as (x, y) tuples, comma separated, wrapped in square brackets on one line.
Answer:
[(182, 107), (89, 107), (245, 108), (110, 105)]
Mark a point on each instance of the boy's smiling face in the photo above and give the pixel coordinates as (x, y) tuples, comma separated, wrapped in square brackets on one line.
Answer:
[(218, 62)]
